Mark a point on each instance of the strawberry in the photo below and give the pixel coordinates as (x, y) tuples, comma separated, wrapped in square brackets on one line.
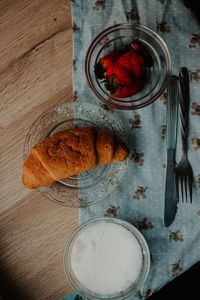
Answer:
[(143, 52), (132, 61), (104, 68), (118, 91), (127, 91), (122, 75)]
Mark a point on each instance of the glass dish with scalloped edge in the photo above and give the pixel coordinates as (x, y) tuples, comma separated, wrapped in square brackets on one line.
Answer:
[(88, 187)]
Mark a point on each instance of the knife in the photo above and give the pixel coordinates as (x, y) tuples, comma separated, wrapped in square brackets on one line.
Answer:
[(172, 116)]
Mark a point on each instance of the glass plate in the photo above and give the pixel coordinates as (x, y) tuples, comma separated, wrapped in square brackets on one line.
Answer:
[(89, 187)]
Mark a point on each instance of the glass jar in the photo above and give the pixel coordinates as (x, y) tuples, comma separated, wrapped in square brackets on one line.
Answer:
[(133, 288)]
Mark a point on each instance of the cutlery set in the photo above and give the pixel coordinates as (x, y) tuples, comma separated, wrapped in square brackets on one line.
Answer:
[(178, 98)]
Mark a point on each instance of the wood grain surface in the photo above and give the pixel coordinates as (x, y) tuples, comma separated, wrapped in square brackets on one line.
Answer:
[(35, 74)]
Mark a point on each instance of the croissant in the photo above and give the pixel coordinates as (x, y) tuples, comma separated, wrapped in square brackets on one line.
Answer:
[(69, 153)]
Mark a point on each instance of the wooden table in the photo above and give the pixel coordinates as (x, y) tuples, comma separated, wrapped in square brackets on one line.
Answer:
[(35, 74)]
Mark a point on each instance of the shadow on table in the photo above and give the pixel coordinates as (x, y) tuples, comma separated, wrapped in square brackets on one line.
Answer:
[(186, 284), (9, 288)]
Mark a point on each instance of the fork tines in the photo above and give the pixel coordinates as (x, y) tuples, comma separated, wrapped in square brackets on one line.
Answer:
[(187, 181)]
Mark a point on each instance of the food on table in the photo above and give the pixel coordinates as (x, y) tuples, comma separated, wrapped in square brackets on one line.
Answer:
[(106, 258), (124, 91), (130, 61), (71, 152), (124, 71), (104, 68)]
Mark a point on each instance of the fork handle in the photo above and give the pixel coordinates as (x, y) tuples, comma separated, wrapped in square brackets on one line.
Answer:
[(184, 105)]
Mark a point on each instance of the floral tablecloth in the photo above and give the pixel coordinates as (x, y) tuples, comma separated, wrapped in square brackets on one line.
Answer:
[(140, 197)]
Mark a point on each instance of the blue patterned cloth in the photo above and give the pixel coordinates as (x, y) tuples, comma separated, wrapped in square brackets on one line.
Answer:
[(140, 197)]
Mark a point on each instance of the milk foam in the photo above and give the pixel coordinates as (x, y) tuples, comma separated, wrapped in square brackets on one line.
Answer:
[(106, 258)]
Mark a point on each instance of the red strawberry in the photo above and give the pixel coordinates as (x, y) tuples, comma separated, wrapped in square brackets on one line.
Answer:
[(127, 91), (118, 91), (132, 61), (122, 75), (104, 67), (142, 51)]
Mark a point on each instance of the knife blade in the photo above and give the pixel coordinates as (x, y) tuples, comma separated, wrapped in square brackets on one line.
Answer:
[(172, 116)]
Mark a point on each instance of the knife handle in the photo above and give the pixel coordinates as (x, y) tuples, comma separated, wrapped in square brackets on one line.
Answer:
[(170, 197), (184, 104), (170, 194)]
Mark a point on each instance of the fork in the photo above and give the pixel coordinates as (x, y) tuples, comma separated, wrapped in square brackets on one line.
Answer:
[(183, 171)]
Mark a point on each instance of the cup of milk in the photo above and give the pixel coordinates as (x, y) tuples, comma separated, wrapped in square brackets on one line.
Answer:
[(106, 258)]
